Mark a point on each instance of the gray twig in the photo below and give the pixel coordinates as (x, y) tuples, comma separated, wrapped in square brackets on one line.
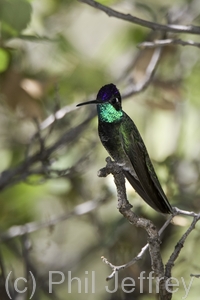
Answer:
[(21, 230), (163, 43), (152, 25), (125, 209), (143, 250), (179, 246), (153, 235), (21, 172), (141, 86)]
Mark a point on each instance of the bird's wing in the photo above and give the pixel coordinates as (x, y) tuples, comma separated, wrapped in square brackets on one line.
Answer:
[(148, 186), (139, 189)]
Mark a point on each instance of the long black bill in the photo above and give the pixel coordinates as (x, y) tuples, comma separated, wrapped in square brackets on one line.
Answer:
[(89, 102)]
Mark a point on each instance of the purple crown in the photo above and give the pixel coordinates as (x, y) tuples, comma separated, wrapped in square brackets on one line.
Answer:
[(107, 92)]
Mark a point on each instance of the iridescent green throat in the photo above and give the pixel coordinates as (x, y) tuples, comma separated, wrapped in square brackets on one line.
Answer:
[(107, 113)]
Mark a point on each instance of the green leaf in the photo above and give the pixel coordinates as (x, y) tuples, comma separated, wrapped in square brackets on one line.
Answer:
[(4, 60), (15, 14)]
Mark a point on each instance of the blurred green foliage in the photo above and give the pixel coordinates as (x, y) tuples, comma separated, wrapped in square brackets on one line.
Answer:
[(55, 53), (4, 59), (15, 17)]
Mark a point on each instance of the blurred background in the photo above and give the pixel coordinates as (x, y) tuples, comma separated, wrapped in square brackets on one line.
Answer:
[(53, 55)]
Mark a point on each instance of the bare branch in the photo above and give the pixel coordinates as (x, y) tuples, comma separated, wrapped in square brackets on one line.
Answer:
[(79, 210), (178, 211), (141, 86), (152, 25), (59, 114), (122, 267), (26, 245), (136, 258), (21, 172), (153, 235), (195, 275), (179, 246), (125, 209), (163, 43)]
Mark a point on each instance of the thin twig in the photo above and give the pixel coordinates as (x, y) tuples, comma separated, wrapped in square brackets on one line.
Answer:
[(195, 275), (26, 245), (163, 43), (153, 235), (125, 209), (79, 210), (19, 173), (141, 86), (179, 211), (59, 114), (179, 246), (136, 258), (152, 25), (116, 269)]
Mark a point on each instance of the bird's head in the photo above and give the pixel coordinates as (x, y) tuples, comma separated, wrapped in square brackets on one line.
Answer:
[(107, 94)]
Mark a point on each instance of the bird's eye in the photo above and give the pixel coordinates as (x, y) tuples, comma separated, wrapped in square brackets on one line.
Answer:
[(115, 100)]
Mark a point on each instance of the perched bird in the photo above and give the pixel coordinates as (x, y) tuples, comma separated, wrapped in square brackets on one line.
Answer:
[(122, 140)]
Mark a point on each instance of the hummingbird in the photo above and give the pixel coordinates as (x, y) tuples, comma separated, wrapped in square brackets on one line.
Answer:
[(121, 138)]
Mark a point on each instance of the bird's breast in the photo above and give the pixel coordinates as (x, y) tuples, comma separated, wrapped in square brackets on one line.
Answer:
[(110, 137)]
